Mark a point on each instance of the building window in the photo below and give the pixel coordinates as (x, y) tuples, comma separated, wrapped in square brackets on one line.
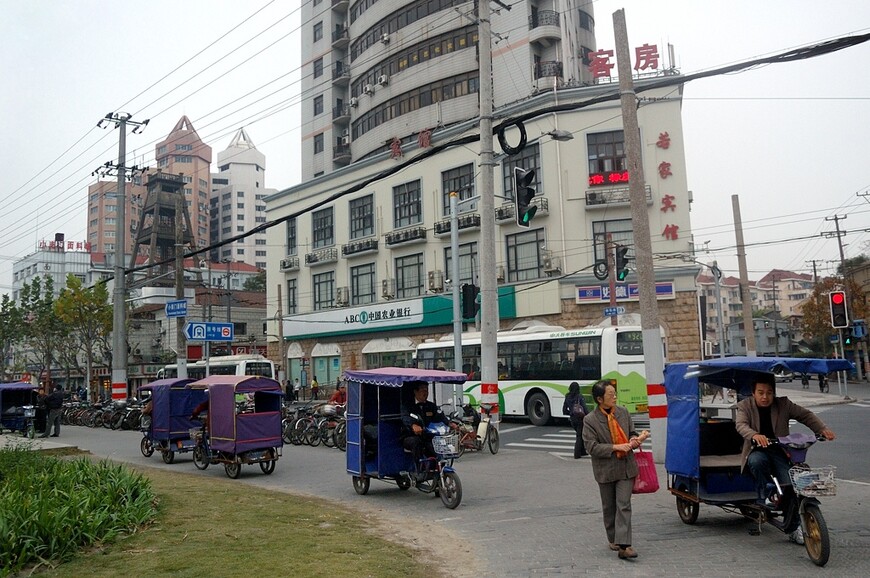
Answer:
[(324, 290), (318, 67), (468, 262), (586, 21), (240, 205), (240, 251), (184, 147), (407, 205), (183, 159), (409, 276), (362, 284), (318, 143), (318, 31), (528, 158), (524, 258), (322, 228), (362, 219), (291, 296), (259, 253), (621, 234), (459, 180), (318, 105), (291, 236), (606, 152)]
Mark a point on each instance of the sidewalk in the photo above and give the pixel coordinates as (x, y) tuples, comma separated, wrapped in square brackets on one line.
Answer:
[(17, 440)]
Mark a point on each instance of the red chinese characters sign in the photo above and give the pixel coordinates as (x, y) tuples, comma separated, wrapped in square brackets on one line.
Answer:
[(608, 178), (646, 57), (81, 246)]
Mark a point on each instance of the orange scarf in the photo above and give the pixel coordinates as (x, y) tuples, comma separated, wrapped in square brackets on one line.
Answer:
[(617, 435)]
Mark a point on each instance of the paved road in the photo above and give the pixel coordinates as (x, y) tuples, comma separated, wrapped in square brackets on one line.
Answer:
[(531, 513)]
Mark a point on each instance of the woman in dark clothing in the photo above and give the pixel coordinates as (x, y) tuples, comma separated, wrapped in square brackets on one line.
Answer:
[(575, 408)]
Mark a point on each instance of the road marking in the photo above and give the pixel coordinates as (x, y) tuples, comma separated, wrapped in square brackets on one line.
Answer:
[(502, 429), (536, 446), (859, 404)]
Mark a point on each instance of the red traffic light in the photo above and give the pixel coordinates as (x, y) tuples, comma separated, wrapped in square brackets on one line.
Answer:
[(837, 297)]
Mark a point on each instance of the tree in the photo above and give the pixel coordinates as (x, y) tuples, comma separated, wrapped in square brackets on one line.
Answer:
[(43, 331), (852, 263), (816, 309), (257, 283), (88, 316), (11, 333)]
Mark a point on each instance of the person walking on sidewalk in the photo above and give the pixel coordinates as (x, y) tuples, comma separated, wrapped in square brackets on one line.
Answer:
[(54, 405), (575, 408), (315, 388)]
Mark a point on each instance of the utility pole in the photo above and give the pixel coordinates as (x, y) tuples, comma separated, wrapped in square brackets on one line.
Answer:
[(850, 298), (654, 363), (745, 297), (229, 303), (119, 304), (181, 351), (815, 272), (720, 329), (775, 322), (457, 295), (489, 319), (611, 277), (286, 370)]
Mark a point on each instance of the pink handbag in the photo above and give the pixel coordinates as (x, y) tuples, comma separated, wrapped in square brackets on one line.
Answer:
[(647, 480)]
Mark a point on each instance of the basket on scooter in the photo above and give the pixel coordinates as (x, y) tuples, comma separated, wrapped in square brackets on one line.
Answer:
[(446, 445), (814, 481)]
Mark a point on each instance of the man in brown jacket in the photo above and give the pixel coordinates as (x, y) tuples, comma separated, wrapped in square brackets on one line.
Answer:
[(764, 416)]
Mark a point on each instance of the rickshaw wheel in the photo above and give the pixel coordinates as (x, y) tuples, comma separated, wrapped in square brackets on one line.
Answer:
[(233, 469), (450, 490), (361, 485), (687, 510), (493, 440), (168, 456), (268, 467), (146, 447), (200, 460), (816, 539), (404, 482)]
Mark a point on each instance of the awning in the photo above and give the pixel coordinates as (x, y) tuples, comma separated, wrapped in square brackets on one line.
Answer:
[(388, 344)]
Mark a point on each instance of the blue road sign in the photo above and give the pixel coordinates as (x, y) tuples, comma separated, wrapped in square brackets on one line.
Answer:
[(202, 331), (608, 311), (834, 339), (176, 308)]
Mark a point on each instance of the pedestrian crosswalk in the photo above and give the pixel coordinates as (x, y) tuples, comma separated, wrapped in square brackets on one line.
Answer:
[(557, 442)]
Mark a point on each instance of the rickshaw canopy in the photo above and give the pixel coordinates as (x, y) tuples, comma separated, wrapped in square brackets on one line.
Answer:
[(170, 382), (172, 402), (239, 383), (397, 376), (737, 373), (18, 386)]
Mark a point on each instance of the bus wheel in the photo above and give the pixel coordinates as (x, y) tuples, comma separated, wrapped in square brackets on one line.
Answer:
[(538, 409)]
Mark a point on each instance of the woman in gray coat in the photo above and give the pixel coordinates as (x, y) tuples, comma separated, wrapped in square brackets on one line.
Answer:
[(609, 437)]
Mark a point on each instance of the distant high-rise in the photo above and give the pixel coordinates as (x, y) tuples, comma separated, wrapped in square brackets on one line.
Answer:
[(236, 203), (376, 73)]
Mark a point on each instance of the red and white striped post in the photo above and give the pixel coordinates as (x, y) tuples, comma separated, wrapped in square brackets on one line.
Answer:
[(658, 420), (489, 395)]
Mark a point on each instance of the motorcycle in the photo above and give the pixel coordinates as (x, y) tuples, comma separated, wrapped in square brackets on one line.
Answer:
[(475, 432)]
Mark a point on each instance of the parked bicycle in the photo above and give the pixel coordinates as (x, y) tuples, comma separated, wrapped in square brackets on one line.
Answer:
[(476, 432)]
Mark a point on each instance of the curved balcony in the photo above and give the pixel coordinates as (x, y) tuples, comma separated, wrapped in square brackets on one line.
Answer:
[(548, 69), (341, 154), (341, 114), (340, 73), (544, 27), (340, 38)]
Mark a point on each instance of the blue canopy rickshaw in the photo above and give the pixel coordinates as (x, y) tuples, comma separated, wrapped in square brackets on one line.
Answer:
[(168, 431), (18, 407)]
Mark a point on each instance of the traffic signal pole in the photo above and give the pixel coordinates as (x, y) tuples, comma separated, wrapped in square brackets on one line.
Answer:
[(611, 276)]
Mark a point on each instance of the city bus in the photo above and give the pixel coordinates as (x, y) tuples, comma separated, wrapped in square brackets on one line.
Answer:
[(536, 365), (251, 364)]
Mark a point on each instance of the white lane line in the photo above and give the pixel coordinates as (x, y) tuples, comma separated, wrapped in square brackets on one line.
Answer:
[(538, 446), (503, 429)]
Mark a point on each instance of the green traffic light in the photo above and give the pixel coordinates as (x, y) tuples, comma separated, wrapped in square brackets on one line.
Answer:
[(527, 217), (621, 275)]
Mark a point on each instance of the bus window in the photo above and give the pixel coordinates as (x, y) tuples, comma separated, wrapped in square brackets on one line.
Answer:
[(629, 343), (256, 368)]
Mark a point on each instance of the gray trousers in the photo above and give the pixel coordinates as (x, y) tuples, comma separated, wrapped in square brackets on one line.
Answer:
[(616, 508), (53, 419)]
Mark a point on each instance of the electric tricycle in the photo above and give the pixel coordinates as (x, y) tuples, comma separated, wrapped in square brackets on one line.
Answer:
[(167, 428), (242, 423), (18, 407), (375, 399), (703, 457)]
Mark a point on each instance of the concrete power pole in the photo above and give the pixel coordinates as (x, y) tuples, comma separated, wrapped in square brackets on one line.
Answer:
[(745, 297), (488, 287), (119, 295), (181, 353), (654, 363)]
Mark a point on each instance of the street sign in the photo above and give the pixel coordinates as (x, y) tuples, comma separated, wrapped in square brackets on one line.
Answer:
[(201, 331), (609, 311), (834, 339), (176, 308)]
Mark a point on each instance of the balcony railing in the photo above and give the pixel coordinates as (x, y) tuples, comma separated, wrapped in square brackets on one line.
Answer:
[(359, 247), (340, 73), (340, 37), (341, 153), (321, 257), (290, 264), (341, 113), (544, 18), (602, 198), (466, 221), (548, 68), (414, 235)]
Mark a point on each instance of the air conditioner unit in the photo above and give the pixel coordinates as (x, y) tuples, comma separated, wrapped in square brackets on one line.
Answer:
[(388, 290), (345, 140), (385, 38), (342, 296), (368, 89), (383, 80), (500, 274), (354, 101), (436, 281), (708, 348)]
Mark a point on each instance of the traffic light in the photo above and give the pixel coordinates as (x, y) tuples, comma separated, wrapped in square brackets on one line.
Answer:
[(469, 301), (525, 193), (621, 263), (847, 338), (839, 315)]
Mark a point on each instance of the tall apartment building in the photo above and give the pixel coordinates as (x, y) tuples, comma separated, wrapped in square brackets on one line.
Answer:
[(237, 204), (364, 267), (182, 152), (380, 72)]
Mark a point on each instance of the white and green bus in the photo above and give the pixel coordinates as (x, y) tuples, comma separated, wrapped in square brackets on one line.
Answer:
[(248, 364), (536, 365)]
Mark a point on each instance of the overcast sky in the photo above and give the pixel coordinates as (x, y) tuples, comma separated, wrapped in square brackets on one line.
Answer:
[(790, 139)]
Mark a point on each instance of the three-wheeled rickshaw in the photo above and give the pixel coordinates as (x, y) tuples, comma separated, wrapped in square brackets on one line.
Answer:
[(239, 431), (375, 399), (703, 457), (18, 402), (168, 429)]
